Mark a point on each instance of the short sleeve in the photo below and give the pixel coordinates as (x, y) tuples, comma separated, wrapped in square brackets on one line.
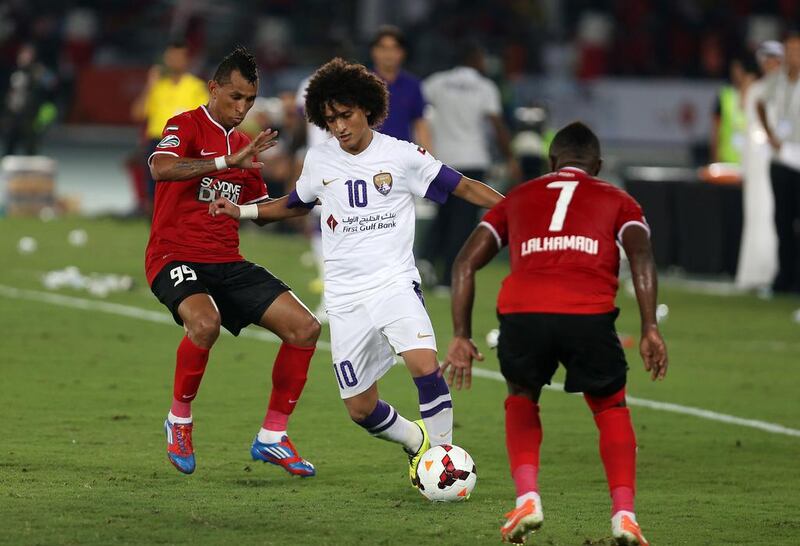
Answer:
[(496, 221), (177, 138), (770, 87), (491, 102), (255, 189), (427, 176), (629, 214), (308, 186)]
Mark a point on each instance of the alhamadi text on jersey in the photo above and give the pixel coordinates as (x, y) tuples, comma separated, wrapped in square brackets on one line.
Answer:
[(562, 231), (182, 229), (368, 211)]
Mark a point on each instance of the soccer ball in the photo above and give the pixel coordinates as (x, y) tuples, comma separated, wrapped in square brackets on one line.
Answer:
[(446, 474)]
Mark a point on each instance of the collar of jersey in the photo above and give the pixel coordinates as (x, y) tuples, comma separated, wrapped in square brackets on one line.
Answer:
[(363, 152), (221, 128), (576, 169)]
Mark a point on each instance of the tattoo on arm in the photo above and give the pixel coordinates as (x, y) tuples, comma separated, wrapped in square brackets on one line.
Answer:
[(185, 168)]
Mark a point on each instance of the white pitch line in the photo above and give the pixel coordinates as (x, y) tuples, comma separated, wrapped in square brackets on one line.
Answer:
[(165, 318), (673, 408)]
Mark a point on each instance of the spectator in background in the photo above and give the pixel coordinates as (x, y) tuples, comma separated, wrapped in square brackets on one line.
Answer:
[(26, 108), (782, 93), (728, 123), (463, 100), (170, 90), (406, 103), (758, 254)]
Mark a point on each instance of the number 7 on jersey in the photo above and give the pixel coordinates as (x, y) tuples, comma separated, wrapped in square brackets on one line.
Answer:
[(564, 198)]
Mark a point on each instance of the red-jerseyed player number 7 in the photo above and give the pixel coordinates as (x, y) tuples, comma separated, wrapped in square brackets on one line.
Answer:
[(564, 198)]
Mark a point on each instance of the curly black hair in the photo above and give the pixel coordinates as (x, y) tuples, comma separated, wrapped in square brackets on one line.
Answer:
[(240, 60), (349, 84)]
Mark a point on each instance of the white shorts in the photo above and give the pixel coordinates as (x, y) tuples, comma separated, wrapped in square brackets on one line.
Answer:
[(366, 336)]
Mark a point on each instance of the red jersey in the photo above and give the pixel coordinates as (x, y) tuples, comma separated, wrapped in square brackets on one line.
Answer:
[(562, 231), (182, 228)]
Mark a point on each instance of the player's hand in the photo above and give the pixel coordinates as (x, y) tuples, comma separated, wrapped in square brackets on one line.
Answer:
[(654, 353), (222, 206), (457, 367), (243, 159)]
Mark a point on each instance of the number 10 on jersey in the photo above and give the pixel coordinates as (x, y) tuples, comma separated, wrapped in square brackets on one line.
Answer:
[(357, 193)]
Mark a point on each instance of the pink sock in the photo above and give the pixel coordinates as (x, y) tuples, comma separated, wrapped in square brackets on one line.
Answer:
[(621, 499), (275, 420), (181, 409), (524, 477)]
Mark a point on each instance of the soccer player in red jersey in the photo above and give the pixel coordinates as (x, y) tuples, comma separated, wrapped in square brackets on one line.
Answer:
[(194, 267), (557, 305)]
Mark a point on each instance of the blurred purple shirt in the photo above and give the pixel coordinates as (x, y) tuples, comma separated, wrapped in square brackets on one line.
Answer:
[(406, 105)]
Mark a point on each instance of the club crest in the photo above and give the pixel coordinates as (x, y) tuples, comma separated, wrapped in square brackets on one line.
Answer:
[(383, 183)]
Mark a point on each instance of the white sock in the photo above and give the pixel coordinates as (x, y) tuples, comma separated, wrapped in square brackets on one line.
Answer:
[(386, 423), (403, 432), (270, 436), (440, 427), (532, 495), (175, 420)]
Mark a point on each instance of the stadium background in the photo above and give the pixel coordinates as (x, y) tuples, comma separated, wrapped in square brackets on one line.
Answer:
[(81, 462)]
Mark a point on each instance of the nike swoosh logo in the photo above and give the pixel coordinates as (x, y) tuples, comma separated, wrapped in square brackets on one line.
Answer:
[(326, 182), (203, 152), (420, 335), (293, 401), (187, 396)]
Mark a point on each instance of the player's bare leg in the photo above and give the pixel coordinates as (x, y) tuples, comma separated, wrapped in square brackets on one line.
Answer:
[(201, 322), (299, 330), (381, 420), (523, 441)]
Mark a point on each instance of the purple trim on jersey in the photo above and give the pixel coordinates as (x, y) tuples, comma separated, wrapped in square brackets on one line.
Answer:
[(295, 201), (431, 412), (443, 185), (378, 416), (431, 387)]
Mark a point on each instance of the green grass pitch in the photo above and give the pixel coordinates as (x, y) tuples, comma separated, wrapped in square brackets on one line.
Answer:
[(84, 393)]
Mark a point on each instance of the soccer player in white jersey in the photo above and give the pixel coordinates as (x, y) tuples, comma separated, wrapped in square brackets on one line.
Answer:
[(366, 183)]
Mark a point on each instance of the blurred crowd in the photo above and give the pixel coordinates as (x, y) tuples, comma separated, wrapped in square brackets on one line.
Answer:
[(60, 62)]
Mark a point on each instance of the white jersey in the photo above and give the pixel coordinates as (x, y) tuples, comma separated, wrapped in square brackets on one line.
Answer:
[(368, 214), (461, 98)]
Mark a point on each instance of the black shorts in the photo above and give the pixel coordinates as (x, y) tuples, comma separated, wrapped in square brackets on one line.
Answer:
[(532, 344), (241, 290)]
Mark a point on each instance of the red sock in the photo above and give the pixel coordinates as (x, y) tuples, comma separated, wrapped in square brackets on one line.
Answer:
[(189, 368), (617, 448), (523, 439), (288, 379)]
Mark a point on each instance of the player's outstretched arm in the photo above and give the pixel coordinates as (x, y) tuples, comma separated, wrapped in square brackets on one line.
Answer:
[(262, 213), (477, 193), (479, 249), (636, 243), (165, 167)]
